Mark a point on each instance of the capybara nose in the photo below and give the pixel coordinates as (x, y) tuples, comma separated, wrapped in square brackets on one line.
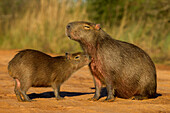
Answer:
[(68, 26)]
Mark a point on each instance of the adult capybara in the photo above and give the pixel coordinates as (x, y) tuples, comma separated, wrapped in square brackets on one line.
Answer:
[(32, 68), (125, 69)]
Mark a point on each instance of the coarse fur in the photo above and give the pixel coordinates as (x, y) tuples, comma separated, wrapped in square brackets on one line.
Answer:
[(32, 68), (125, 69)]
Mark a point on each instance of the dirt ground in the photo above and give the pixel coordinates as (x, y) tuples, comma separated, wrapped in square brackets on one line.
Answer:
[(76, 92)]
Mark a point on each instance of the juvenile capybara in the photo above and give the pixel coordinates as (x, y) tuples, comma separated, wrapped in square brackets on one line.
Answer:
[(32, 68), (125, 69)]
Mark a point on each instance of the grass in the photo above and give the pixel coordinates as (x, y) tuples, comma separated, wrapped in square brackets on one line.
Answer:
[(43, 28)]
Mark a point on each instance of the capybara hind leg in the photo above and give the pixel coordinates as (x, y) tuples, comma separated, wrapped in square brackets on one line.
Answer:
[(98, 86), (24, 88), (17, 90), (19, 98), (139, 97)]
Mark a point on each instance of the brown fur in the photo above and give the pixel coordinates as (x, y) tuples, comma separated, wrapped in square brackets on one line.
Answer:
[(125, 68), (31, 68)]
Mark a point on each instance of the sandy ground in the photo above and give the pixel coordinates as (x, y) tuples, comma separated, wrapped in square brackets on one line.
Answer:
[(76, 92)]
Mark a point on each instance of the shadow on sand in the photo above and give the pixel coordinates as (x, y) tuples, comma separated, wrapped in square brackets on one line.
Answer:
[(51, 94), (71, 94), (104, 93)]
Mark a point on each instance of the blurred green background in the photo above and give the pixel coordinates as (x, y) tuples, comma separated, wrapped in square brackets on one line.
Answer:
[(40, 24)]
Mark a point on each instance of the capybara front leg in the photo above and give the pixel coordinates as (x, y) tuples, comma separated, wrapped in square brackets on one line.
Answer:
[(110, 93), (57, 92), (98, 86)]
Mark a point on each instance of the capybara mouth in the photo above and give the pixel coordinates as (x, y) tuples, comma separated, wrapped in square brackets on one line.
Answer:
[(71, 35), (68, 34)]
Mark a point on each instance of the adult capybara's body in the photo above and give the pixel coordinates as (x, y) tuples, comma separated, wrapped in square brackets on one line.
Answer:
[(125, 69), (32, 68)]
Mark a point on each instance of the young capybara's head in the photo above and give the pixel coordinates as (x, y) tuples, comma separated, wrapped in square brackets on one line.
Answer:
[(78, 60), (83, 31)]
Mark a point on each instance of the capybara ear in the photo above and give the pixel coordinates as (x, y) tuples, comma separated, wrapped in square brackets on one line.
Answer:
[(97, 27), (68, 56)]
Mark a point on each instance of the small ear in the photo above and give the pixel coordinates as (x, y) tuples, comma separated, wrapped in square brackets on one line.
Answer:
[(97, 27), (68, 56)]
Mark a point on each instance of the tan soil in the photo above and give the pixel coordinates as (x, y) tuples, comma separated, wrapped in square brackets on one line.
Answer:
[(76, 91)]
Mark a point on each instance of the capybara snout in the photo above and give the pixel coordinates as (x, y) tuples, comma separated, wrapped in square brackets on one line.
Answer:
[(74, 29)]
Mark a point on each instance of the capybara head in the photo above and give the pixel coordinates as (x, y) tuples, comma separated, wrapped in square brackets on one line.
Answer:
[(78, 59), (83, 31)]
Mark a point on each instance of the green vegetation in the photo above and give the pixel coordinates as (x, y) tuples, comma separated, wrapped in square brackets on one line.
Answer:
[(40, 24)]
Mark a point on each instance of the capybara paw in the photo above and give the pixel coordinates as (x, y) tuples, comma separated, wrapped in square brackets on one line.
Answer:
[(138, 98), (93, 99), (28, 100), (59, 98), (109, 100), (20, 100)]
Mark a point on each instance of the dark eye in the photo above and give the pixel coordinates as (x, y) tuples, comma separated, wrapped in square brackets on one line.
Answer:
[(77, 57), (86, 27)]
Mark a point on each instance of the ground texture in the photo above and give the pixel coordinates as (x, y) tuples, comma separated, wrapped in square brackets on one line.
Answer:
[(76, 92)]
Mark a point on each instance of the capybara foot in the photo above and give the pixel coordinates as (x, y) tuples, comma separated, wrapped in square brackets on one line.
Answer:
[(109, 100), (19, 98), (59, 98), (139, 98), (28, 100), (24, 100), (93, 99)]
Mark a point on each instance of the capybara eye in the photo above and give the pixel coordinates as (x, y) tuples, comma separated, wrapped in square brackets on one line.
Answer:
[(77, 57), (86, 27)]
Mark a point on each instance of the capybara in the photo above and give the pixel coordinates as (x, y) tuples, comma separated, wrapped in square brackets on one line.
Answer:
[(125, 69), (32, 68)]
